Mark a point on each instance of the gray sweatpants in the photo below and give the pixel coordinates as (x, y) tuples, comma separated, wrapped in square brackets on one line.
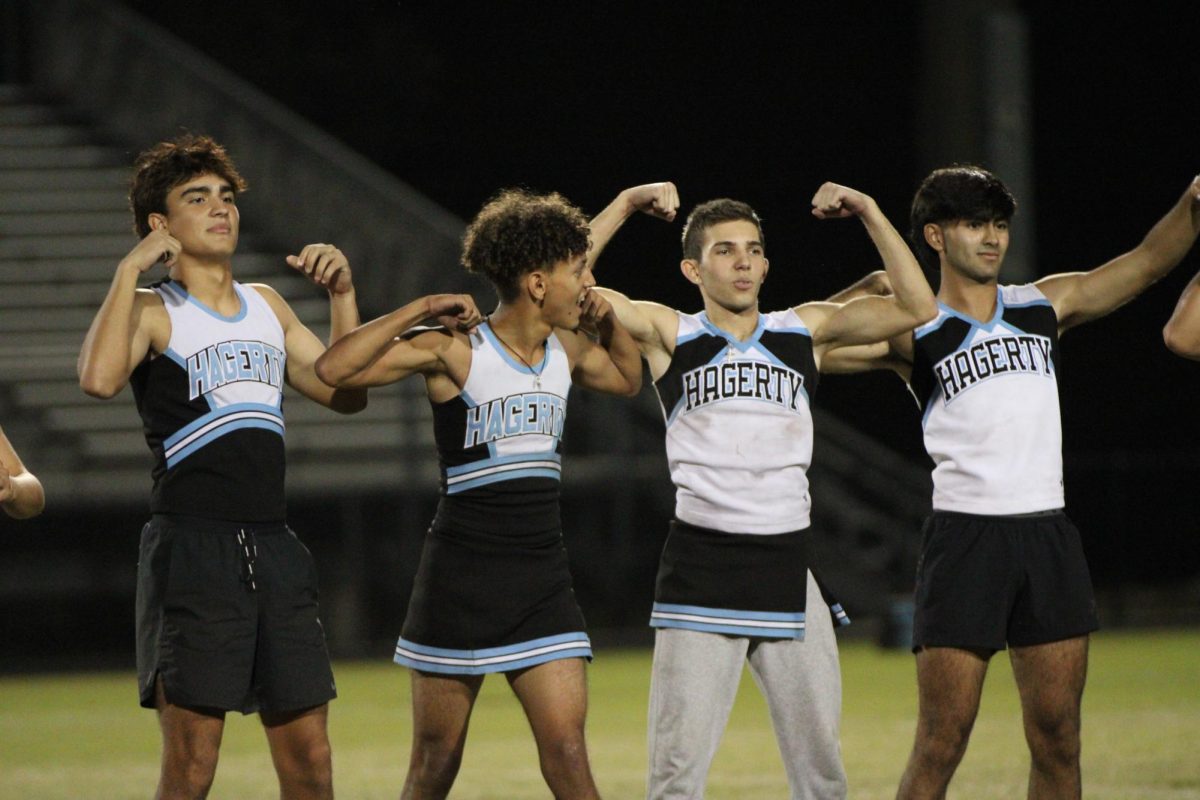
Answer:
[(693, 685)]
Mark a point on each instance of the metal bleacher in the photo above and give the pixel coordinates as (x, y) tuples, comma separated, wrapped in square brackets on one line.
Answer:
[(64, 224)]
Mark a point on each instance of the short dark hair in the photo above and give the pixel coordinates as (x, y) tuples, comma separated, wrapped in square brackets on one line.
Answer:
[(714, 212), (161, 168), (962, 191), (518, 231)]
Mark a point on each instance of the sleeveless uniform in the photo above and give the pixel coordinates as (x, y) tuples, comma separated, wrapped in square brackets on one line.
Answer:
[(733, 581), (1000, 562), (493, 592), (236, 626)]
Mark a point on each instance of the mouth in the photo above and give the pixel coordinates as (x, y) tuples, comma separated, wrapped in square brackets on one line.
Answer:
[(743, 284), (220, 229)]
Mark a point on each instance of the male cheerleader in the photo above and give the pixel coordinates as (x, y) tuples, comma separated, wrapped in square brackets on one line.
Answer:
[(734, 584), (1001, 564), (492, 591), (227, 597)]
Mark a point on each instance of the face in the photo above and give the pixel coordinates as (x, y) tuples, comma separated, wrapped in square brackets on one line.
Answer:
[(732, 265), (566, 286), (971, 247), (202, 214)]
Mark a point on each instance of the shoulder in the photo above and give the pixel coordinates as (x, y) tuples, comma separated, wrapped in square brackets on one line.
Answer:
[(1026, 294), (812, 315), (273, 299), (785, 321)]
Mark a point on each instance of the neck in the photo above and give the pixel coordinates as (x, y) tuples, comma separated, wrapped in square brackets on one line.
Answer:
[(210, 282), (740, 324), (519, 327), (977, 300)]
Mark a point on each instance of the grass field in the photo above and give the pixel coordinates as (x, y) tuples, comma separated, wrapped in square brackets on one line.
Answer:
[(82, 735)]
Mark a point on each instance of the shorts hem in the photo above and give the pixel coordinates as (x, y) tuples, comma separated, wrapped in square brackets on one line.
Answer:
[(507, 658)]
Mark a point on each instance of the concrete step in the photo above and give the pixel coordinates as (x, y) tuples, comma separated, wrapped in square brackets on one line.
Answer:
[(14, 93), (44, 136), (29, 113), (61, 157), (113, 245), (63, 223), (110, 177), (63, 393), (248, 267), (23, 202)]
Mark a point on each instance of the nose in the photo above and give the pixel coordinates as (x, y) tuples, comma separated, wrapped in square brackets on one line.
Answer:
[(589, 279)]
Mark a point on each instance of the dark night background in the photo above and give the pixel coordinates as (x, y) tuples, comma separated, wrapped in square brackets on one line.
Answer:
[(763, 102)]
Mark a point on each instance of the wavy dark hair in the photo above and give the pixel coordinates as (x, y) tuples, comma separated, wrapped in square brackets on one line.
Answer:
[(962, 191), (518, 231), (159, 169)]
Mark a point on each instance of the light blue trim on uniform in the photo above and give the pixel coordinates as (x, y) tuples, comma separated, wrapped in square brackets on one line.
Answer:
[(974, 323), (499, 347), (1042, 302), (217, 434), (840, 617), (178, 359), (216, 424), (493, 659), (546, 464), (770, 624), (183, 294), (729, 337)]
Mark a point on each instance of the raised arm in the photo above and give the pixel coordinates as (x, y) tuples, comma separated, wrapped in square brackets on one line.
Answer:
[(659, 200), (327, 267), (610, 362), (1080, 297), (870, 318), (125, 327), (653, 327), (21, 494), (374, 354), (1182, 332)]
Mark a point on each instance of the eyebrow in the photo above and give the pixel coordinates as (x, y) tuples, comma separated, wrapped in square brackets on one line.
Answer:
[(225, 187), (751, 243)]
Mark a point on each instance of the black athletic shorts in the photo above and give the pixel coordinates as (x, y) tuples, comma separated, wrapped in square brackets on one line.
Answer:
[(984, 582), (227, 615)]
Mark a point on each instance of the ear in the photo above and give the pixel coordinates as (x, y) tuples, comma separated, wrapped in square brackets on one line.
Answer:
[(535, 286), (933, 237), (158, 222), (766, 269), (691, 270)]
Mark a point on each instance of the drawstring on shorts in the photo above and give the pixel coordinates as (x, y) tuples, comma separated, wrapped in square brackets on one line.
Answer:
[(249, 550)]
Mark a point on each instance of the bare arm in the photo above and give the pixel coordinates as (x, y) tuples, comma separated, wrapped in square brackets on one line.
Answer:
[(652, 325), (123, 330), (21, 493), (374, 355), (870, 285), (870, 318), (612, 363), (656, 199), (1182, 332), (1080, 297)]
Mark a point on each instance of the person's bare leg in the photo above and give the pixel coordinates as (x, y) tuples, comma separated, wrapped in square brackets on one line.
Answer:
[(554, 696), (299, 742), (441, 711), (191, 743), (949, 683), (1050, 678)]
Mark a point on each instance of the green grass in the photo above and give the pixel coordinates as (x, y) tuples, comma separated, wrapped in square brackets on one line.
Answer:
[(70, 736)]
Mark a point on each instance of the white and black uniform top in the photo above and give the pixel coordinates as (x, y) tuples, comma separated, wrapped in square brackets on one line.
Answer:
[(739, 425), (500, 442), (212, 409), (991, 414)]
